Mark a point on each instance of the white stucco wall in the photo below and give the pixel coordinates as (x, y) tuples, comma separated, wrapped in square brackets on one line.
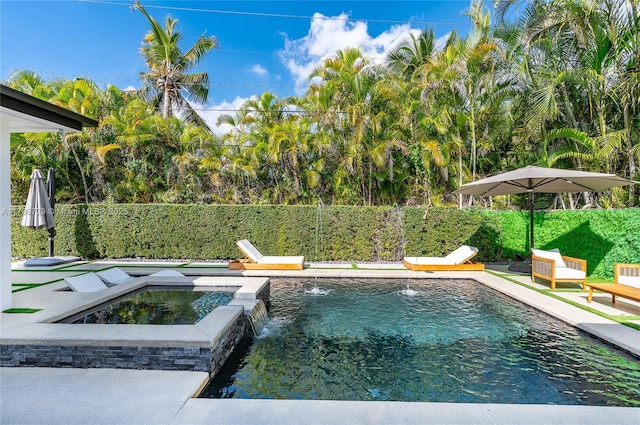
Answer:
[(5, 215)]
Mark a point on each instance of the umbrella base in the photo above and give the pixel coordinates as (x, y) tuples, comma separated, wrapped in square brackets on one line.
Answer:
[(49, 261), (523, 267)]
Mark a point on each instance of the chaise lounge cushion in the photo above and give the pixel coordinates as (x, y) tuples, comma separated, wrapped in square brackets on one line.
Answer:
[(88, 282), (284, 259), (249, 250), (424, 261), (114, 276), (254, 255), (462, 254), (459, 256)]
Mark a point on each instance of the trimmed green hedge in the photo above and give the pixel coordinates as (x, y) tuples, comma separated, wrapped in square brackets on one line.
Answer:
[(338, 233)]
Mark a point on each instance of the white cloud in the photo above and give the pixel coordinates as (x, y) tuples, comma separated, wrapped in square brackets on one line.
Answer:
[(324, 39), (211, 113), (326, 36), (258, 70), (442, 41)]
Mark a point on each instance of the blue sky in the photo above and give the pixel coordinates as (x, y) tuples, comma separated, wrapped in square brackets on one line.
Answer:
[(263, 45)]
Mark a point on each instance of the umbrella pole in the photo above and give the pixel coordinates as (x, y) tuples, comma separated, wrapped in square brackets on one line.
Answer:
[(50, 245), (531, 197), (51, 190)]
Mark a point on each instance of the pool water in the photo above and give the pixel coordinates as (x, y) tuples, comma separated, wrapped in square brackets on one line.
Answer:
[(157, 306), (421, 340)]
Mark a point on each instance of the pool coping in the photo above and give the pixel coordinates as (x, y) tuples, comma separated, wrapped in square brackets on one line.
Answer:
[(30, 327), (119, 396), (21, 400), (41, 327), (617, 334)]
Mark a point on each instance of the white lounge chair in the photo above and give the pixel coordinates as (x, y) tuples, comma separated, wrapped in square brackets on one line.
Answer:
[(460, 259), (116, 276), (254, 260), (88, 282), (554, 267)]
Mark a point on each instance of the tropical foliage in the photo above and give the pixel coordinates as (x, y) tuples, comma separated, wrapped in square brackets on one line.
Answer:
[(167, 85), (559, 85)]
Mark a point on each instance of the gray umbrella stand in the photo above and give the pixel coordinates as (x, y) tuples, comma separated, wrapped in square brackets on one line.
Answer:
[(52, 235)]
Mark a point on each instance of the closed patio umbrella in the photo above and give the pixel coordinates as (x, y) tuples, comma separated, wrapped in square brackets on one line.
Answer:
[(51, 188), (38, 212), (532, 179)]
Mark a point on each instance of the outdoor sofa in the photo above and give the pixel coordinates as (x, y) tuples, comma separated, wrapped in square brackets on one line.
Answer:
[(554, 267), (460, 259), (626, 283)]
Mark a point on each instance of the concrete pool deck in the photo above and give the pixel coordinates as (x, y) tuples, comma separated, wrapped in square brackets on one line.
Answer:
[(113, 396)]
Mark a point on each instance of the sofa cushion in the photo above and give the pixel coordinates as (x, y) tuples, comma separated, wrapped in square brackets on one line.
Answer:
[(549, 255), (630, 281), (569, 273)]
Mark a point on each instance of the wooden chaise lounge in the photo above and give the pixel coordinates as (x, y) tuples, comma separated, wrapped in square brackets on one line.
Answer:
[(552, 266), (254, 260), (460, 259), (626, 283)]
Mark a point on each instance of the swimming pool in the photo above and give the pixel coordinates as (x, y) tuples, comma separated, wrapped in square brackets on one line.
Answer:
[(157, 305), (421, 340)]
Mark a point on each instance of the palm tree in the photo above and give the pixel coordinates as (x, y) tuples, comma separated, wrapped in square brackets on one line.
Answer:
[(81, 96), (360, 103), (30, 83), (628, 57), (412, 55), (460, 90), (168, 85), (581, 62)]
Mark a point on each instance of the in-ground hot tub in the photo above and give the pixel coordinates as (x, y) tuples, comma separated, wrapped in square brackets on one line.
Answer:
[(157, 305), (202, 346)]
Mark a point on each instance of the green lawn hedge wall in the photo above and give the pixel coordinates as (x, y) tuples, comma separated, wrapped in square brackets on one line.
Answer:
[(330, 233)]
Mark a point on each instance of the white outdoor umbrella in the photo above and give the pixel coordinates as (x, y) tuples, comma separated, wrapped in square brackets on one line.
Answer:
[(532, 179), (38, 212)]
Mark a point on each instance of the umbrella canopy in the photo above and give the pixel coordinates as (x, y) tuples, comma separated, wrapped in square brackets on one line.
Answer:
[(542, 180), (51, 188), (38, 212)]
